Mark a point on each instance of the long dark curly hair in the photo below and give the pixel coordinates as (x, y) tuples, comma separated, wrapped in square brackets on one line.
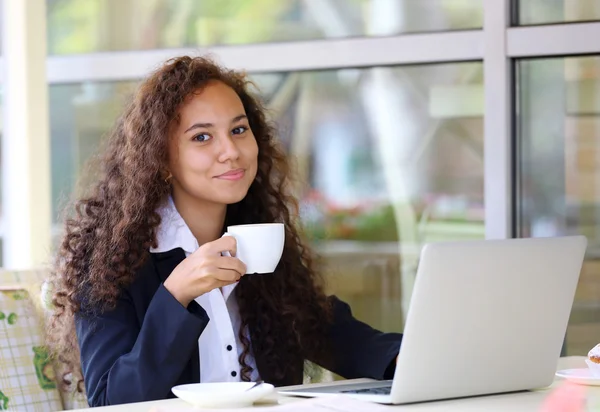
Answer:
[(110, 231)]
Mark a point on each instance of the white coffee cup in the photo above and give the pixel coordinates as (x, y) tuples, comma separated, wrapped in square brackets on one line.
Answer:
[(259, 246)]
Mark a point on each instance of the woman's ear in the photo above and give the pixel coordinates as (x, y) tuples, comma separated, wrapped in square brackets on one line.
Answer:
[(167, 176)]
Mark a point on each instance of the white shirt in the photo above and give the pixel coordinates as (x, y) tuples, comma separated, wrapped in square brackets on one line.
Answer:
[(219, 343)]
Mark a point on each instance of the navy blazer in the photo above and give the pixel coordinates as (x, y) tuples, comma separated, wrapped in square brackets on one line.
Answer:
[(149, 342)]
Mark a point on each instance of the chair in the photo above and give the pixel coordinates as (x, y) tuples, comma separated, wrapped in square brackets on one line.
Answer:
[(27, 374)]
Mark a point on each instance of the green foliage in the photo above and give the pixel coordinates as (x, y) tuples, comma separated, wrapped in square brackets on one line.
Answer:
[(12, 319), (376, 224), (3, 402)]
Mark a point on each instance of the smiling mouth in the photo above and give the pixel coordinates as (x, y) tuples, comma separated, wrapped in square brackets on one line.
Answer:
[(236, 174)]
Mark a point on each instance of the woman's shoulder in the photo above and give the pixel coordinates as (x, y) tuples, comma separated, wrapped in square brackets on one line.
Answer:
[(147, 278)]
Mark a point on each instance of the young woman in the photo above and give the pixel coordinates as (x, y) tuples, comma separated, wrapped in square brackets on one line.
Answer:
[(145, 299)]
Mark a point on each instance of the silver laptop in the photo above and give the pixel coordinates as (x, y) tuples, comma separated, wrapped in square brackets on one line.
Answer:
[(485, 317)]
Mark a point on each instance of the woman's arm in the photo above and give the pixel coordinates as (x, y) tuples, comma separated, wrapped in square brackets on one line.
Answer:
[(123, 361), (358, 350)]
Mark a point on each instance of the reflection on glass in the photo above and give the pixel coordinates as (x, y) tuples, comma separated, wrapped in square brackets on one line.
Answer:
[(388, 159), (557, 11), (76, 26), (80, 116), (559, 171)]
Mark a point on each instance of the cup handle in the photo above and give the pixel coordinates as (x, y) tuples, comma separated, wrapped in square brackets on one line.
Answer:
[(226, 252)]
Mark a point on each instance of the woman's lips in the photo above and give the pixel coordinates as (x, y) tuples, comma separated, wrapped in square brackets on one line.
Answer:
[(235, 174)]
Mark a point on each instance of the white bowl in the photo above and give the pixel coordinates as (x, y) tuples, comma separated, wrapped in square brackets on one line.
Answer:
[(222, 395)]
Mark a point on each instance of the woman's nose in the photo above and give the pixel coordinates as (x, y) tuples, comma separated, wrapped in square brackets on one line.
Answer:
[(228, 149)]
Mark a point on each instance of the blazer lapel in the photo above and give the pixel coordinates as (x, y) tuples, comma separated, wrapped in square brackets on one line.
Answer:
[(165, 263)]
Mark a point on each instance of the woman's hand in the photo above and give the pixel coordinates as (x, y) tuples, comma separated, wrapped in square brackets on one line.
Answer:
[(205, 270)]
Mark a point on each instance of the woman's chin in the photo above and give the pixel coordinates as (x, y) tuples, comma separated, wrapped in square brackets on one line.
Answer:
[(232, 198)]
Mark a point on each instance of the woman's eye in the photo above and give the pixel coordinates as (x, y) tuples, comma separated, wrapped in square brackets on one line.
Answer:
[(239, 130), (202, 137)]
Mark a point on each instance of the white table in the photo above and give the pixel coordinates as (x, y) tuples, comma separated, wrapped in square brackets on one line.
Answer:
[(514, 402)]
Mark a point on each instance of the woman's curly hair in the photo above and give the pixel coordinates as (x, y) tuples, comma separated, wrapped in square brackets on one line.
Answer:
[(110, 231)]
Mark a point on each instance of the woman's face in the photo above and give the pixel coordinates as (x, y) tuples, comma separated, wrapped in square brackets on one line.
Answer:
[(213, 154)]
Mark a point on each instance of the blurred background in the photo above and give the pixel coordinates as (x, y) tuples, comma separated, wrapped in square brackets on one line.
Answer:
[(410, 121)]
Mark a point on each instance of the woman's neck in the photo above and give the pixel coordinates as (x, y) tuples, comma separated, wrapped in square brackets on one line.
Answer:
[(205, 219)]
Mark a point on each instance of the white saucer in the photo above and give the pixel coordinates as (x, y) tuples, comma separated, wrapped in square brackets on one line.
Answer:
[(582, 376), (222, 395)]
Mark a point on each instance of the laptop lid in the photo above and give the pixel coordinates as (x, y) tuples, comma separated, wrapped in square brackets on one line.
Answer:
[(487, 317)]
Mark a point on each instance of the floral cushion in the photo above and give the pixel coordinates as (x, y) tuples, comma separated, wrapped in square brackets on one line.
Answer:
[(32, 281), (27, 379)]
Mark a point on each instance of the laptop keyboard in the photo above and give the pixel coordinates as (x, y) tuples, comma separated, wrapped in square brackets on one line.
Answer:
[(382, 390)]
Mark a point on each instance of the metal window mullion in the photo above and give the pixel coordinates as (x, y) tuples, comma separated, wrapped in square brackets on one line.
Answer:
[(553, 40), (279, 57), (498, 147)]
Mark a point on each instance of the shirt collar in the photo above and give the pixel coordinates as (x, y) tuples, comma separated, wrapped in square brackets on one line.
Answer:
[(173, 232)]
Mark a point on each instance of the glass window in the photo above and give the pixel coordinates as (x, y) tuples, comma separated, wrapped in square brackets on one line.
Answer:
[(559, 171), (389, 158), (80, 116), (76, 26), (557, 11)]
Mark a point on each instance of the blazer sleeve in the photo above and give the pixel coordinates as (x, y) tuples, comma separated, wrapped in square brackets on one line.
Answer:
[(124, 361), (358, 350)]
